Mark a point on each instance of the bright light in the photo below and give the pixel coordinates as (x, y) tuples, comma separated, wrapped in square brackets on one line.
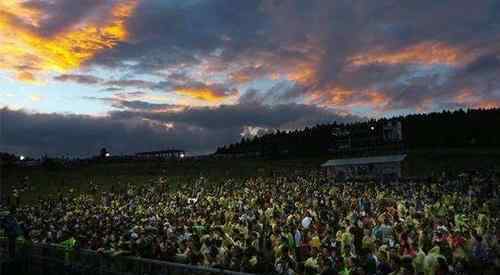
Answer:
[(108, 155), (182, 155), (372, 128), (21, 157)]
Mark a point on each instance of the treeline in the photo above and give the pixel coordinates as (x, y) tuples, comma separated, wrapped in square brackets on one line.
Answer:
[(7, 157), (446, 129)]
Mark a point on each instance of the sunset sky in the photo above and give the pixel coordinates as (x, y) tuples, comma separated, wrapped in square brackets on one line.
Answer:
[(132, 75)]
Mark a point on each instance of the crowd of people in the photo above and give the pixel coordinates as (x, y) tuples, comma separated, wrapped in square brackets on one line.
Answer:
[(285, 225)]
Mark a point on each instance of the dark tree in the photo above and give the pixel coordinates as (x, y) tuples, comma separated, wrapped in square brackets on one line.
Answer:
[(461, 128)]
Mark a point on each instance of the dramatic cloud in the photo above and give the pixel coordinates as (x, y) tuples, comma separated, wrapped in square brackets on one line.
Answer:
[(27, 49), (236, 65), (320, 46), (143, 106), (36, 134), (123, 101), (427, 53), (283, 116), (198, 130), (209, 93)]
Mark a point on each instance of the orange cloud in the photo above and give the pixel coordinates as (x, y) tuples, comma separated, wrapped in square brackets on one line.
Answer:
[(26, 77), (23, 50), (378, 99), (333, 97), (428, 53), (25, 14), (208, 94), (299, 65), (249, 73), (464, 96), (240, 78), (489, 104), (340, 97), (304, 73), (467, 97)]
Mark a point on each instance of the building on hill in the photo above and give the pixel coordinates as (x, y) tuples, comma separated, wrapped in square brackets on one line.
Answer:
[(385, 167), (392, 131), (384, 137)]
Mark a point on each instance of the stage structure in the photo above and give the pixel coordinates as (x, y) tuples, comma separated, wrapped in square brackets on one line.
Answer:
[(387, 167)]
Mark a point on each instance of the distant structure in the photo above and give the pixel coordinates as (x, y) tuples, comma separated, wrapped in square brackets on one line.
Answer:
[(385, 167), (371, 138), (103, 153), (392, 131), (342, 138), (165, 154)]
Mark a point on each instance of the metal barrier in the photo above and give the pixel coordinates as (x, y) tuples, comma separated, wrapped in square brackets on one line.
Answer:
[(55, 260)]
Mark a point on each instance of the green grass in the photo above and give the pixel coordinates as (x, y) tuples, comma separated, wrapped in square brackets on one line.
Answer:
[(46, 182), (424, 162)]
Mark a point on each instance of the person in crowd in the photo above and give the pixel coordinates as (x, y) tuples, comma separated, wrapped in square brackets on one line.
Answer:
[(9, 224), (287, 225)]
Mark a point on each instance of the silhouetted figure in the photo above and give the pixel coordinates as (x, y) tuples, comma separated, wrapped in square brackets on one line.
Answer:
[(11, 227)]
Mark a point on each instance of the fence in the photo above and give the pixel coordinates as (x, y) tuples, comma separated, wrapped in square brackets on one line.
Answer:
[(54, 260)]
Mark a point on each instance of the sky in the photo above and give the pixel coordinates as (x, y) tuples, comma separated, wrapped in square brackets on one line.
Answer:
[(132, 75)]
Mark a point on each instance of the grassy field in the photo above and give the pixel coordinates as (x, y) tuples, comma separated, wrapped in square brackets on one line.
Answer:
[(426, 162), (47, 182)]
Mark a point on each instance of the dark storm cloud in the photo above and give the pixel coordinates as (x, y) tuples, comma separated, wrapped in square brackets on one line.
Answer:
[(113, 85), (142, 105), (285, 116), (392, 27), (122, 101), (262, 37), (249, 40), (166, 35), (475, 84), (282, 92), (198, 130), (386, 55), (484, 64), (56, 134)]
